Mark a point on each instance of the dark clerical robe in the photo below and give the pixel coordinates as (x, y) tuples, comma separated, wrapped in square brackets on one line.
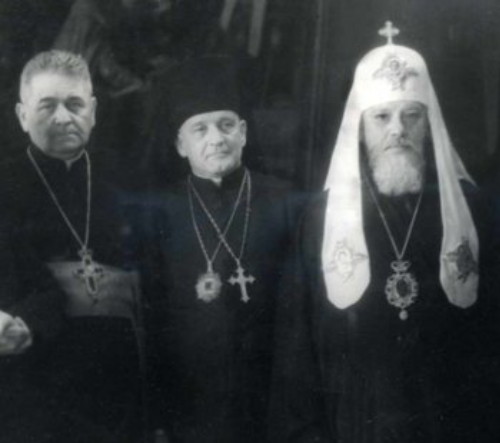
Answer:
[(363, 375), (93, 365), (28, 291), (214, 357)]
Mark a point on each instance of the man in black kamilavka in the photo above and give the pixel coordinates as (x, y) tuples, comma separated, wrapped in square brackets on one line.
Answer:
[(217, 243)]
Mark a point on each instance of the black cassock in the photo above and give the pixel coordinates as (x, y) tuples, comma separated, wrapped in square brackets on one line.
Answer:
[(91, 369), (28, 291), (363, 375), (215, 358)]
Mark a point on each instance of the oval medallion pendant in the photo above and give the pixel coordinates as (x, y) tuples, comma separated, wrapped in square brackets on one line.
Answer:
[(401, 287), (208, 286)]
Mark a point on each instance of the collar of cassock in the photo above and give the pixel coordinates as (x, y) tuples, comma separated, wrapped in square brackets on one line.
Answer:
[(229, 182), (48, 163), (391, 73)]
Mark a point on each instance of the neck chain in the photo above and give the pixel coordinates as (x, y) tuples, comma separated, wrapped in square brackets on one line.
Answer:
[(401, 287), (209, 284), (89, 272)]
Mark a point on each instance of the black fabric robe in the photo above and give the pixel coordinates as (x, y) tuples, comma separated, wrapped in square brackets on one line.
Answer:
[(214, 358), (93, 366), (27, 290), (362, 375)]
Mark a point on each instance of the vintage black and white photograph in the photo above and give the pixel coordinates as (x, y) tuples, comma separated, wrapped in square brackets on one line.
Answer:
[(250, 221)]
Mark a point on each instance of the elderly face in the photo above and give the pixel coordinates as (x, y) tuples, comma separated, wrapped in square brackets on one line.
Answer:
[(213, 143), (58, 113), (395, 127), (394, 136)]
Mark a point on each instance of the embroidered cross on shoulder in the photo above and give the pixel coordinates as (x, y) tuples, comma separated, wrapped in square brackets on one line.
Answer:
[(344, 260), (463, 261)]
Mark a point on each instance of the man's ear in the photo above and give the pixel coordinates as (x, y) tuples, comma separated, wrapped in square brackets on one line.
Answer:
[(243, 131), (180, 146), (21, 115), (93, 104), (362, 129)]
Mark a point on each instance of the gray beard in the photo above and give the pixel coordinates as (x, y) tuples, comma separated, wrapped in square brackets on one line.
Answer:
[(398, 173)]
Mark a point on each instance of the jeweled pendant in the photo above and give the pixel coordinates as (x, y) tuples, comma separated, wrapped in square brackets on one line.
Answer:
[(401, 288), (208, 286)]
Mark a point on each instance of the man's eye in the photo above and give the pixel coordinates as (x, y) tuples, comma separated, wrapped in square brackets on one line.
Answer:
[(382, 116), (46, 107), (227, 125), (75, 106), (199, 129), (413, 115)]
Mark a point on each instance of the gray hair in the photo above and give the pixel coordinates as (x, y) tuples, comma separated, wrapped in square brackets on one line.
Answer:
[(56, 61)]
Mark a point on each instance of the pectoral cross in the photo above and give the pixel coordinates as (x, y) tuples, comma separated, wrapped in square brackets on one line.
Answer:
[(241, 280), (388, 31), (90, 272)]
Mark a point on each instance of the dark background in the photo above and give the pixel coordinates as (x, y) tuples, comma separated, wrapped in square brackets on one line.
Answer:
[(295, 81)]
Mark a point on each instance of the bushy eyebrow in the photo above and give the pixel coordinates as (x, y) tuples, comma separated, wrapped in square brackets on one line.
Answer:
[(199, 123), (47, 100), (415, 108), (378, 111), (50, 99), (196, 126)]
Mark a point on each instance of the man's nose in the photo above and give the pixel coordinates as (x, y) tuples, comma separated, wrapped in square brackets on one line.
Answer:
[(214, 135), (396, 126), (61, 114)]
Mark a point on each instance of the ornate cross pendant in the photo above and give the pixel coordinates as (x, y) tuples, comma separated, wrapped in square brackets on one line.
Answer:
[(241, 280), (89, 272)]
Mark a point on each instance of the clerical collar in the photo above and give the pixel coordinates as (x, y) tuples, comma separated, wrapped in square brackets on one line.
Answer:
[(230, 181), (46, 160)]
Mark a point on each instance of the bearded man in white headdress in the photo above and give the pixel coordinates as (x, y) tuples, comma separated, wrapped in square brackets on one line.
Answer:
[(387, 333)]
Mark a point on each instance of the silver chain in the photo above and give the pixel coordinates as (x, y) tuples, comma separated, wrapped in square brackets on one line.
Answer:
[(222, 235), (399, 254), (83, 244)]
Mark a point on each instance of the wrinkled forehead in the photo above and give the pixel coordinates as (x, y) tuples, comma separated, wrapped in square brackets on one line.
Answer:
[(391, 73), (52, 83)]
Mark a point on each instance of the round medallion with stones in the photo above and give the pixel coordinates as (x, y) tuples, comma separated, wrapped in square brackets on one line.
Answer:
[(401, 288)]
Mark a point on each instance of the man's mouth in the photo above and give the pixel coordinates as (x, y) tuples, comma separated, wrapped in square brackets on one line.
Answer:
[(220, 154), (398, 147), (66, 134)]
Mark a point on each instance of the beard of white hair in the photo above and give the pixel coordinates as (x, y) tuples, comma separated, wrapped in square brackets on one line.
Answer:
[(397, 173)]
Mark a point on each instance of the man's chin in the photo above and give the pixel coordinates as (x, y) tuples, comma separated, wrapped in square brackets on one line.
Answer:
[(223, 168), (398, 150), (67, 151), (398, 177)]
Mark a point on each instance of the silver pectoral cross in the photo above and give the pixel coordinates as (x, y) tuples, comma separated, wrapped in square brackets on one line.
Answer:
[(90, 272), (241, 280)]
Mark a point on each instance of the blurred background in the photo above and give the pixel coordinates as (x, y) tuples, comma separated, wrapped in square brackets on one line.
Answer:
[(296, 60)]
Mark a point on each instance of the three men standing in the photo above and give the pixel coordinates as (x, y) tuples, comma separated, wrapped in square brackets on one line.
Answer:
[(387, 333)]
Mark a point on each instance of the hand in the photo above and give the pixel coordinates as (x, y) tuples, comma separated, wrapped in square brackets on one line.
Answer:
[(15, 336)]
